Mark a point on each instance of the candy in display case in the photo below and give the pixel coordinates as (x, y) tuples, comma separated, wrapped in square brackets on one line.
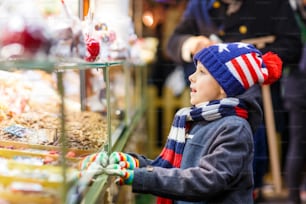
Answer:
[(30, 110), (42, 122)]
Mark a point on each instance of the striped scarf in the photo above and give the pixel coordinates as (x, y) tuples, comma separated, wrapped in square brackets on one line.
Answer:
[(171, 154)]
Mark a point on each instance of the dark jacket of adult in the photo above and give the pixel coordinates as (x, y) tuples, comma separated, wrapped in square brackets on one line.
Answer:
[(254, 19)]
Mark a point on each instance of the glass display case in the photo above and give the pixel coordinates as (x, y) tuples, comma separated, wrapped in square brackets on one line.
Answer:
[(44, 127), (46, 131), (58, 105)]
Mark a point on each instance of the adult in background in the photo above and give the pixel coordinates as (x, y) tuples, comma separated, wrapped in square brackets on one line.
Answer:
[(295, 102)]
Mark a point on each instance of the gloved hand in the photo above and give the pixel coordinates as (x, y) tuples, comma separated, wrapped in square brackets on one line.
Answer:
[(100, 158), (126, 176), (124, 160)]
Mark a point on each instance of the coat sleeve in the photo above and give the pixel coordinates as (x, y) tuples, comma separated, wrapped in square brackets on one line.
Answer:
[(228, 163), (143, 161)]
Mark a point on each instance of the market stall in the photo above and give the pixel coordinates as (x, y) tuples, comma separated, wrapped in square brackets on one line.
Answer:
[(69, 88)]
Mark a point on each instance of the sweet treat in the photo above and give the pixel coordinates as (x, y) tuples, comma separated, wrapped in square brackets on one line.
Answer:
[(84, 130), (18, 130), (23, 39), (26, 187), (29, 160), (30, 37), (114, 27), (93, 49)]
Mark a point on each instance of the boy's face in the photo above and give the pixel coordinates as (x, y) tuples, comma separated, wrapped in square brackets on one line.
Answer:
[(203, 86)]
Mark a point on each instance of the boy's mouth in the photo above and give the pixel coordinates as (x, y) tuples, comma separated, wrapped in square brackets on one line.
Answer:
[(192, 90)]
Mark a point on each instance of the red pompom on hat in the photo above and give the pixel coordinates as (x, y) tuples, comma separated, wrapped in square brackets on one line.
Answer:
[(274, 65)]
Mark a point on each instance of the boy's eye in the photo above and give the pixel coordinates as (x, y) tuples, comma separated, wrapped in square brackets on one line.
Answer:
[(202, 71)]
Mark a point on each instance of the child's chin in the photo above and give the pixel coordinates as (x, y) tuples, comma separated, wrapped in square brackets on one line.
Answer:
[(192, 103)]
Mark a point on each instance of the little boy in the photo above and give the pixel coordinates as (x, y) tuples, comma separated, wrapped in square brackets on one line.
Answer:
[(209, 152)]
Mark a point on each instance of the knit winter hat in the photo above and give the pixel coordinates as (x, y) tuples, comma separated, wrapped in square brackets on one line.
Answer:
[(238, 66)]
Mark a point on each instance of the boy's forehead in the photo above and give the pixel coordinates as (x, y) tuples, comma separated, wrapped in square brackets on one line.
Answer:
[(201, 66)]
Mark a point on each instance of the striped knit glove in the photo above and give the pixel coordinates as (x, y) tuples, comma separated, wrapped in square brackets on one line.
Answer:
[(124, 160), (100, 158), (126, 176)]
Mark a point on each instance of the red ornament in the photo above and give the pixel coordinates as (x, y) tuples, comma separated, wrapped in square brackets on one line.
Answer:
[(93, 49), (32, 38), (48, 160), (53, 152)]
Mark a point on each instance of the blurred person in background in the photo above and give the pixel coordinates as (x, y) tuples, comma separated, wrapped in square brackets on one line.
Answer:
[(270, 25), (166, 14), (295, 102)]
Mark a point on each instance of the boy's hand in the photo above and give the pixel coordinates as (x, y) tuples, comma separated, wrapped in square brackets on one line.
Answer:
[(126, 176), (124, 160), (101, 158)]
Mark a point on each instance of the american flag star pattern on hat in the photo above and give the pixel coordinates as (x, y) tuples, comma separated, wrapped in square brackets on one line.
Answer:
[(238, 66)]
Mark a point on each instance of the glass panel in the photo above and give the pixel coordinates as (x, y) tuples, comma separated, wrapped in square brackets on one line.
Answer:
[(32, 131), (41, 110)]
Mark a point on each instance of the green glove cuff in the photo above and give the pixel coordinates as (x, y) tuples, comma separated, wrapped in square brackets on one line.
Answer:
[(128, 178)]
